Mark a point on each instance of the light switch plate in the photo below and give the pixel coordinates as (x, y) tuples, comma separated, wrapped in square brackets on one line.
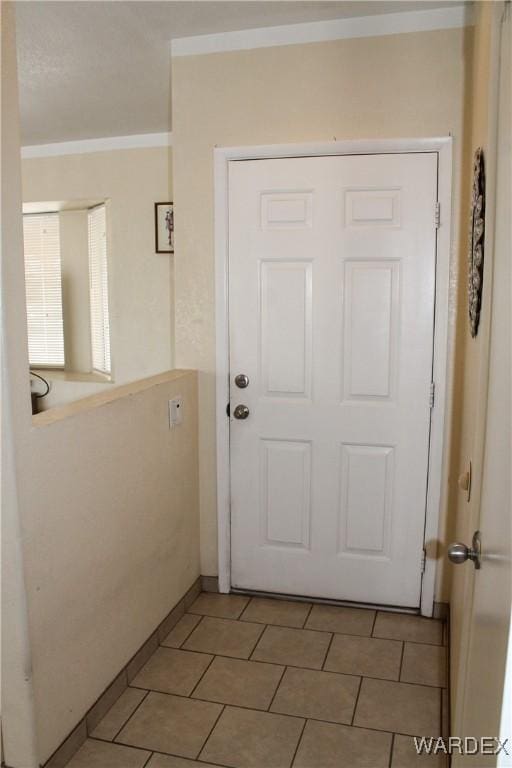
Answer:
[(175, 411)]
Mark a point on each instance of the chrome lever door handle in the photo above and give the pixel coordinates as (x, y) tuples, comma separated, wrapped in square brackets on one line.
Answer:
[(241, 412)]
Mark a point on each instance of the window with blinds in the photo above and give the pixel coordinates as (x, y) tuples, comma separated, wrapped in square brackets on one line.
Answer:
[(98, 282), (43, 283)]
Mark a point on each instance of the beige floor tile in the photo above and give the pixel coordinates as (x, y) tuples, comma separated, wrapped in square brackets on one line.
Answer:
[(347, 621), (101, 754), (224, 637), (285, 613), (400, 707), (118, 714), (401, 626), (424, 664), (244, 738), (325, 745), (172, 671), (166, 761), (221, 606), (364, 656), (241, 683), (320, 695), (181, 631), (173, 724), (294, 647), (405, 755)]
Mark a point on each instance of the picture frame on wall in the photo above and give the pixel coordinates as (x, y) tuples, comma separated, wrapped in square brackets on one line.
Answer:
[(164, 227)]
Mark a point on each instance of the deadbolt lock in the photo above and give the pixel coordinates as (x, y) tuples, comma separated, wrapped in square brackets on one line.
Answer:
[(242, 381)]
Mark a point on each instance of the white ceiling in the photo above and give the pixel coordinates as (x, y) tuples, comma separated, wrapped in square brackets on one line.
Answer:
[(97, 69)]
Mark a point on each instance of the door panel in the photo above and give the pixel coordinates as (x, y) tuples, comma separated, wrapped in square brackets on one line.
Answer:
[(286, 329), (371, 308), (286, 493), (331, 286), (366, 492)]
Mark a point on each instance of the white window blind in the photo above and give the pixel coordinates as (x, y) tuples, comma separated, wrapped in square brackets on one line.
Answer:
[(98, 281), (43, 289)]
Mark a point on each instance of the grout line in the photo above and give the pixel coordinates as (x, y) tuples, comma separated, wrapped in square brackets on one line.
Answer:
[(131, 715), (201, 677), (391, 750), (327, 651), (240, 618), (326, 631), (356, 701), (117, 743), (180, 646), (251, 709), (187, 759), (149, 758), (311, 669), (280, 626), (406, 640), (244, 608), (265, 627), (307, 616), (277, 688), (401, 663), (211, 730), (298, 742)]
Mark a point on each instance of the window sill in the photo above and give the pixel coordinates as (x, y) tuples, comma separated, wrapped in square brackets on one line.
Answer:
[(58, 374)]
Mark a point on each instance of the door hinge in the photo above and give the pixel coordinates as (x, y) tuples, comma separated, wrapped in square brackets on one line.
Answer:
[(423, 559), (437, 215), (432, 396)]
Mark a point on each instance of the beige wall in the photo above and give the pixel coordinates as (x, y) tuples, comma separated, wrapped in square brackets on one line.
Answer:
[(407, 85), (100, 527), (141, 286), (111, 538)]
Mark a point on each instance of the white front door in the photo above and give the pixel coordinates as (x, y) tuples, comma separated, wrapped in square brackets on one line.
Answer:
[(331, 304)]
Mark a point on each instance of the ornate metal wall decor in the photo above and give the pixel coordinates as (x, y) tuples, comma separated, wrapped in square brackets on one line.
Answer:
[(476, 242)]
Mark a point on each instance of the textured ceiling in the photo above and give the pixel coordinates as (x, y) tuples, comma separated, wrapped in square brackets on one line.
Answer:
[(95, 69)]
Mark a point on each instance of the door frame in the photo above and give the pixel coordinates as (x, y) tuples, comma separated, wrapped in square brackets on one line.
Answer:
[(442, 342)]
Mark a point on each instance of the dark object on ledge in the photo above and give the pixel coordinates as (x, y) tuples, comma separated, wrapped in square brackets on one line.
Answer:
[(36, 395)]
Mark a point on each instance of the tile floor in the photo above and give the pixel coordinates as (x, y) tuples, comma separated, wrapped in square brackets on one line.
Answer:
[(261, 683)]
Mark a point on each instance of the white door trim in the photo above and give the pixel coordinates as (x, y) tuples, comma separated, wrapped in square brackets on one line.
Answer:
[(442, 372)]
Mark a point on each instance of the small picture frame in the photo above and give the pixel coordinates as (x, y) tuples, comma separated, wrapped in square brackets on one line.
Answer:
[(164, 227)]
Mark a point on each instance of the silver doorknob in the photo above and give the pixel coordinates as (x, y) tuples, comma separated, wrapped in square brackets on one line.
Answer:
[(242, 381), (458, 553), (241, 412)]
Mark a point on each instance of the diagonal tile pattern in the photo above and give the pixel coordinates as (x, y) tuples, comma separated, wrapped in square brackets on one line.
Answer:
[(264, 683)]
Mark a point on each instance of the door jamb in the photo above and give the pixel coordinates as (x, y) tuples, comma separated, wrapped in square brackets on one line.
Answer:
[(443, 331)]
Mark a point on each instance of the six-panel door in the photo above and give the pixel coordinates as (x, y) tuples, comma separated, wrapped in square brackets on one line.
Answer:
[(331, 305)]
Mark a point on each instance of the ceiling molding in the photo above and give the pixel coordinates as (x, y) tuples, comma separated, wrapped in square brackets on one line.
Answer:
[(84, 146), (319, 31)]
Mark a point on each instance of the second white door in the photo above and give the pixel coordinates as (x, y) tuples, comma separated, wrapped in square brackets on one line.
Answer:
[(331, 303)]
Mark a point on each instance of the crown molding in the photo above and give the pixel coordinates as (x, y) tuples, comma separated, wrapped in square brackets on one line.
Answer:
[(106, 144), (320, 31)]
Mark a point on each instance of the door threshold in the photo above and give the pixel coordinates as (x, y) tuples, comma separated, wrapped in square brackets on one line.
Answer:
[(325, 601)]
